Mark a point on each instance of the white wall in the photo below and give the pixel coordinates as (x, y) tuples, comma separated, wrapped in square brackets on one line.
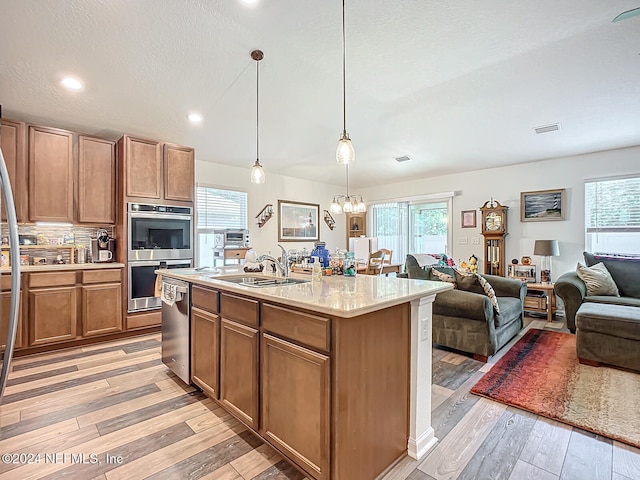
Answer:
[(505, 184), (276, 187)]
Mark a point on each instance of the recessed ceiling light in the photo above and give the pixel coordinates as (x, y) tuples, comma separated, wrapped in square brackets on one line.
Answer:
[(72, 83), (195, 117), (249, 2)]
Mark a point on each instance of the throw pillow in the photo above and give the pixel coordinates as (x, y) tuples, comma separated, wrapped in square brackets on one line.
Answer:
[(489, 292), (597, 279), (443, 277), (468, 282)]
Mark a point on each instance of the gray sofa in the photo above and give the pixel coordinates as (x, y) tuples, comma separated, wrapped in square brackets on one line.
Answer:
[(573, 292), (466, 320)]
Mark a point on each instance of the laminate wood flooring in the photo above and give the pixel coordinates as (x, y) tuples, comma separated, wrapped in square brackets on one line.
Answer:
[(114, 411)]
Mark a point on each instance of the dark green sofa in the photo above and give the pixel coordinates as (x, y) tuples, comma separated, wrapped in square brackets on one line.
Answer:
[(466, 320), (573, 292)]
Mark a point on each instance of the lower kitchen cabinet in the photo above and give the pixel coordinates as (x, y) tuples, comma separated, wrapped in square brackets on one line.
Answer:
[(296, 386), (205, 350), (52, 314), (239, 371), (5, 307), (101, 309)]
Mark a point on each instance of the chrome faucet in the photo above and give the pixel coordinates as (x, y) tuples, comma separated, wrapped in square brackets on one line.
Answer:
[(283, 264)]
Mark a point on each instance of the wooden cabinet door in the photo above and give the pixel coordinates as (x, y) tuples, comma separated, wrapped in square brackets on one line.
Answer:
[(239, 371), (205, 350), (13, 143), (96, 180), (50, 174), (143, 168), (52, 315), (295, 403), (5, 307), (101, 309), (178, 173)]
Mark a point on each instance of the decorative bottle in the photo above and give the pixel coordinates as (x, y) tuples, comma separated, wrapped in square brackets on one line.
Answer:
[(316, 271)]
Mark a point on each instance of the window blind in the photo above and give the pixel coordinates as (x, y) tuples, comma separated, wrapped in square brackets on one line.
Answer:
[(218, 208), (612, 205)]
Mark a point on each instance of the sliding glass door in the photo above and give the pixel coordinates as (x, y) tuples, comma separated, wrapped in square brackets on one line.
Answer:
[(428, 227), (412, 227)]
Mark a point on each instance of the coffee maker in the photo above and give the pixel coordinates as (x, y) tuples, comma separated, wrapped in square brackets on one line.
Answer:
[(102, 247)]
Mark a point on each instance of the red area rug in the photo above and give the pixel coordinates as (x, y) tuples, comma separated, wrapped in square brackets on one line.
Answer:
[(541, 374)]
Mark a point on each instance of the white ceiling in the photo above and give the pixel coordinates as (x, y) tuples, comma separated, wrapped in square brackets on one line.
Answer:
[(456, 85)]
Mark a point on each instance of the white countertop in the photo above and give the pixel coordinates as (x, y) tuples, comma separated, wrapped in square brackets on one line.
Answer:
[(64, 266), (333, 295)]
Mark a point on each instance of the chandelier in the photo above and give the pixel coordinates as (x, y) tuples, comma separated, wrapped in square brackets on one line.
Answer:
[(345, 154), (257, 172), (347, 203)]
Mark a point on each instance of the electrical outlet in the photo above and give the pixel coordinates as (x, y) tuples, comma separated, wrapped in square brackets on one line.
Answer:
[(463, 241), (424, 329), (475, 240)]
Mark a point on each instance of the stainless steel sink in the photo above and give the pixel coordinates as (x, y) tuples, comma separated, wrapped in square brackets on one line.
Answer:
[(261, 282)]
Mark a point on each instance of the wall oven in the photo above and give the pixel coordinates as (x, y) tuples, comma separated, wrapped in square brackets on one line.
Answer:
[(142, 282), (159, 232), (159, 236)]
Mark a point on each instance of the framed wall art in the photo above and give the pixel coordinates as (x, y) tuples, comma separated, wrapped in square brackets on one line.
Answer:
[(468, 219), (543, 205), (297, 221)]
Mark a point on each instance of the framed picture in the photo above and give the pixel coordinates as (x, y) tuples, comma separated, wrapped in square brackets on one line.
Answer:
[(543, 205), (468, 219), (297, 221)]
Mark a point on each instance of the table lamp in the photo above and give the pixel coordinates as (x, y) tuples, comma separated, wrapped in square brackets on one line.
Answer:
[(546, 249)]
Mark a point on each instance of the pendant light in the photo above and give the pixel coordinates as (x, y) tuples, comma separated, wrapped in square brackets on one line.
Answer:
[(347, 203), (345, 154), (257, 172)]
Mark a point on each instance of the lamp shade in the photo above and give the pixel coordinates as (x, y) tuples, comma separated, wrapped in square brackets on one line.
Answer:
[(546, 248)]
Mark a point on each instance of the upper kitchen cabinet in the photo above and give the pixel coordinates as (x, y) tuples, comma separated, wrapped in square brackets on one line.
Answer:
[(152, 170), (96, 180), (142, 163), (178, 172), (50, 174), (13, 143)]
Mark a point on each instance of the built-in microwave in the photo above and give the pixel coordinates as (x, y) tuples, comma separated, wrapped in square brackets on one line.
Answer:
[(159, 232)]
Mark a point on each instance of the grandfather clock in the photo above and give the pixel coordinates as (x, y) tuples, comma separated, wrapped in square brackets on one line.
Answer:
[(494, 229)]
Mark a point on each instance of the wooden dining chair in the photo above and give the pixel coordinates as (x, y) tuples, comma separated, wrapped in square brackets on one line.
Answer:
[(387, 256), (374, 263)]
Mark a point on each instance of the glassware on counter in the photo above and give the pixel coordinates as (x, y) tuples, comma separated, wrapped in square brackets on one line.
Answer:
[(349, 266)]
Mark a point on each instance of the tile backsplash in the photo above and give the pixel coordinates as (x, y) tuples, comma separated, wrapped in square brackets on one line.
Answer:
[(54, 235)]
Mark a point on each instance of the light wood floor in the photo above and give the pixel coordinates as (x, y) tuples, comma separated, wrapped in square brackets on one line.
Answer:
[(113, 411)]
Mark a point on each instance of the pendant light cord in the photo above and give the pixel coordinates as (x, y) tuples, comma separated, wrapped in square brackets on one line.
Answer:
[(257, 107), (347, 169), (344, 76)]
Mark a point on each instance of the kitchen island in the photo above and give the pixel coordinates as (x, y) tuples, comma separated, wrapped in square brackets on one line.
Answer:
[(334, 373)]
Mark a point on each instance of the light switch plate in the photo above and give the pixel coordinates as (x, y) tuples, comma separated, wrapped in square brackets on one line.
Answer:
[(475, 240), (463, 241)]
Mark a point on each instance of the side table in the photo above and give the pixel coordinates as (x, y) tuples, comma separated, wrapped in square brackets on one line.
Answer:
[(547, 288)]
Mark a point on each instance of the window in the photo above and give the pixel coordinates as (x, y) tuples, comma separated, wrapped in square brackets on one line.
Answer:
[(411, 227), (216, 208), (612, 215)]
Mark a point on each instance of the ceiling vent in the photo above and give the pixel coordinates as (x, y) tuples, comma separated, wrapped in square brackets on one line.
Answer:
[(404, 158), (547, 128)]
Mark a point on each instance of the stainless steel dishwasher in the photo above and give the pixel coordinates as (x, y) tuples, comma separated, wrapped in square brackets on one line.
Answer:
[(176, 350)]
